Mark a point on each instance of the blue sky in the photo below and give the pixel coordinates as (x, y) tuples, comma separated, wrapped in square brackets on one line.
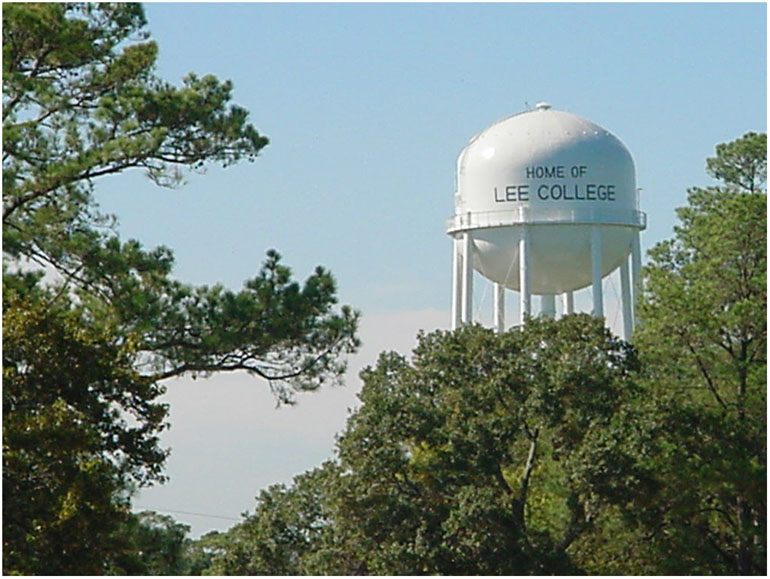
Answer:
[(367, 107)]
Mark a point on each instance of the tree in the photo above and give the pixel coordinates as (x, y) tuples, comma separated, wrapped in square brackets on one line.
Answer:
[(151, 544), (79, 424), (741, 165), (80, 101), (704, 342), (486, 454), (289, 526)]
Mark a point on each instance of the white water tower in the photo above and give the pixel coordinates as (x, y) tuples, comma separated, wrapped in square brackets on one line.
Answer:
[(546, 204)]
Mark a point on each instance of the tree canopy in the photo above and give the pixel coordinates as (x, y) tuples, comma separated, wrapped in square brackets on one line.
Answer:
[(93, 323), (149, 543), (80, 101), (557, 448), (484, 454), (704, 343)]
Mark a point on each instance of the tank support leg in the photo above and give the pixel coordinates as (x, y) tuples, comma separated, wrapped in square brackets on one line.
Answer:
[(625, 298), (467, 279), (457, 288), (548, 305), (636, 274), (596, 271), (568, 303), (525, 286), (499, 308)]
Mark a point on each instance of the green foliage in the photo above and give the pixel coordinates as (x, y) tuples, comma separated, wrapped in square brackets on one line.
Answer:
[(87, 344), (547, 449), (446, 456), (79, 425), (477, 457), (282, 536), (553, 448), (704, 343), (151, 544), (741, 164), (79, 92), (79, 103)]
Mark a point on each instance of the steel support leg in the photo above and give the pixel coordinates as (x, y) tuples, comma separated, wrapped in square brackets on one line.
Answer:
[(467, 279), (525, 278), (596, 271), (499, 308), (548, 305), (625, 298)]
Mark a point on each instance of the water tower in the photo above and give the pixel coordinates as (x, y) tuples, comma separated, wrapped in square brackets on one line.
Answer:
[(546, 204)]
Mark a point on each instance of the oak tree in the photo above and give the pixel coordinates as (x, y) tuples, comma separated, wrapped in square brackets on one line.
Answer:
[(485, 454)]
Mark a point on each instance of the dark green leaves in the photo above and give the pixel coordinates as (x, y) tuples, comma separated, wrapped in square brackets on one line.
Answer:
[(446, 460), (742, 163), (273, 328), (89, 336), (484, 454), (555, 448), (79, 103), (704, 342), (79, 424)]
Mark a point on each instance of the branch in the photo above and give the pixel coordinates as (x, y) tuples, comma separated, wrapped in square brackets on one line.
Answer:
[(39, 256), (501, 480), (706, 376), (722, 512), (728, 559), (8, 108), (529, 466), (243, 365), (68, 180), (726, 342), (68, 278), (577, 524), (520, 502)]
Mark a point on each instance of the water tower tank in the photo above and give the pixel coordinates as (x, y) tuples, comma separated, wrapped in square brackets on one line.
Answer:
[(563, 184)]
